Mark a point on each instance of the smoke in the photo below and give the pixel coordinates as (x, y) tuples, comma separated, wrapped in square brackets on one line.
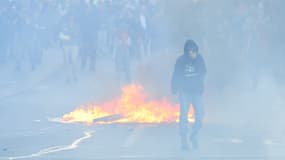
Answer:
[(242, 43)]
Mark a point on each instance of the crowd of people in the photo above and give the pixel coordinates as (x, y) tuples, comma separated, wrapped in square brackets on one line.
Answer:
[(127, 30), (82, 29)]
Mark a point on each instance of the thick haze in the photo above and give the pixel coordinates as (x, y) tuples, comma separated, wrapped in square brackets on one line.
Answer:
[(64, 44)]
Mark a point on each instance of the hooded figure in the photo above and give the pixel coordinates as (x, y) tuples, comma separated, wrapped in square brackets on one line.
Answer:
[(189, 71), (188, 84)]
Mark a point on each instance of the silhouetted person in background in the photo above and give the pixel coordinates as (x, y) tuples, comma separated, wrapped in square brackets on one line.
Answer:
[(88, 34), (69, 43), (123, 58), (188, 84)]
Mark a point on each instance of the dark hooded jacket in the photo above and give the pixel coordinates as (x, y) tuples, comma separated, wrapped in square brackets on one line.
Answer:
[(188, 75)]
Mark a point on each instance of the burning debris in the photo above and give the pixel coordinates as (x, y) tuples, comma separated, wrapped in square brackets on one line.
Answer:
[(131, 107)]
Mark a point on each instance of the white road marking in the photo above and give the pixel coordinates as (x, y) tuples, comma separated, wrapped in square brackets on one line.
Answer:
[(73, 145), (236, 140), (272, 143), (229, 140)]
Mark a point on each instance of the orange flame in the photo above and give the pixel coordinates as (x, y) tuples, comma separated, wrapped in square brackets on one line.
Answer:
[(132, 106)]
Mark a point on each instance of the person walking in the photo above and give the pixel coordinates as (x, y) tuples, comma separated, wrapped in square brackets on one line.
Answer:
[(188, 84)]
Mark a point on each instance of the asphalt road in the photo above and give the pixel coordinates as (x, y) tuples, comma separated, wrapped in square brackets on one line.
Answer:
[(51, 140), (26, 132)]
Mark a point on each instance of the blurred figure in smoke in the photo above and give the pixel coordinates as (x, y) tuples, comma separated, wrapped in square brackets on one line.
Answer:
[(68, 43), (122, 57), (35, 30), (143, 29), (88, 34), (188, 84)]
